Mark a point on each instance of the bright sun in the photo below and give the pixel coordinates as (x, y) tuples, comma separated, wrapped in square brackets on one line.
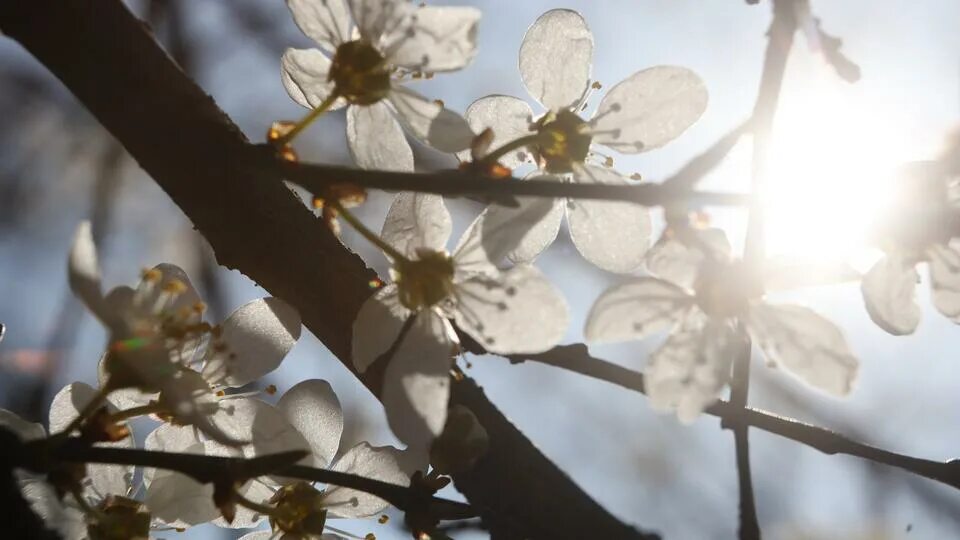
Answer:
[(832, 161)]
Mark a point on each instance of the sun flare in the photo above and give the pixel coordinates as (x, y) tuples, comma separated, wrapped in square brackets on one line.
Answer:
[(833, 158)]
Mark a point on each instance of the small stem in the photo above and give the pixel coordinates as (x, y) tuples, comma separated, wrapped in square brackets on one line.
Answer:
[(134, 412), (515, 144), (255, 506), (85, 413), (305, 122), (373, 238)]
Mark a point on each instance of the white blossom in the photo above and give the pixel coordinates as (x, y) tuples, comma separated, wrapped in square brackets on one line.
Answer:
[(641, 113), (512, 311), (160, 350), (367, 49), (702, 310)]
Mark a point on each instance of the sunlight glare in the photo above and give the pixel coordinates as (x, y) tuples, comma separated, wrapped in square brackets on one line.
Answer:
[(833, 157)]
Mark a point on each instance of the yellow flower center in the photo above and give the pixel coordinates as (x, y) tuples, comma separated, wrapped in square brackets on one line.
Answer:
[(426, 281), (360, 73), (299, 510), (564, 141)]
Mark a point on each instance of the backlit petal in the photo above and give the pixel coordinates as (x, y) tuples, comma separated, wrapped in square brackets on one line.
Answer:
[(555, 58), (636, 309), (376, 140), (417, 221), (890, 295), (430, 122), (382, 463), (945, 279), (304, 75), (509, 118), (313, 409), (325, 21), (377, 326), (437, 39)]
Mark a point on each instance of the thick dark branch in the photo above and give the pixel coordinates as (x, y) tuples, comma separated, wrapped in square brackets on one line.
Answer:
[(318, 178), (108, 59), (577, 359)]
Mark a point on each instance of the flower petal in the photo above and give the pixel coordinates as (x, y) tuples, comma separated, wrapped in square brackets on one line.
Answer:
[(313, 409), (430, 122), (258, 336), (678, 257), (417, 221), (151, 293), (325, 21), (68, 520), (376, 140), (686, 374), (83, 272), (519, 311), (416, 385), (636, 309), (499, 231), (555, 58), (374, 17), (178, 500), (806, 344), (890, 295), (304, 75), (437, 39), (945, 279), (613, 235), (509, 118), (104, 479), (377, 326), (649, 109), (267, 428), (382, 463)]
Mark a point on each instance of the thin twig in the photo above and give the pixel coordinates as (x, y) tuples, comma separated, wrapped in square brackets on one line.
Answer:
[(318, 178)]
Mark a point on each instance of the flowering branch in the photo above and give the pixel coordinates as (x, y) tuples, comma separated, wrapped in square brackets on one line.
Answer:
[(252, 221), (453, 183), (214, 469)]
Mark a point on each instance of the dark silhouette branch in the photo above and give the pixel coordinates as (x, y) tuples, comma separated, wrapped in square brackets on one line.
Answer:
[(577, 359), (109, 60)]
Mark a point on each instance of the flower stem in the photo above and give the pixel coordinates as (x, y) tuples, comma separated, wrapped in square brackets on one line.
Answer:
[(372, 237), (255, 506), (85, 413), (305, 122), (515, 144), (134, 412)]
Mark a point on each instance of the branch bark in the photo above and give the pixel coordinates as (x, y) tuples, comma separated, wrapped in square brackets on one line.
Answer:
[(110, 61)]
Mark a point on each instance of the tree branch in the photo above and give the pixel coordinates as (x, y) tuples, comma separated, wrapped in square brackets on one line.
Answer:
[(107, 58), (577, 359)]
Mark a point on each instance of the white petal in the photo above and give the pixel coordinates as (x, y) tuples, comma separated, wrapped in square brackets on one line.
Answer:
[(178, 500), (649, 109), (382, 463), (259, 535), (374, 17), (509, 118), (376, 140), (325, 21), (636, 309), (889, 293), (417, 221), (416, 385), (555, 58), (105, 479), (686, 374), (945, 279), (258, 336), (248, 419), (313, 409), (83, 271), (430, 122), (806, 344), (613, 235), (68, 520), (153, 293), (304, 75), (677, 257), (519, 311), (540, 234), (26, 430), (377, 326), (245, 518), (499, 231), (437, 39)]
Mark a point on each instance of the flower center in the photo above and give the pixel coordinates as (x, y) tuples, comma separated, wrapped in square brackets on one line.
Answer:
[(723, 290), (563, 141), (299, 510), (425, 281), (120, 519), (360, 73)]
